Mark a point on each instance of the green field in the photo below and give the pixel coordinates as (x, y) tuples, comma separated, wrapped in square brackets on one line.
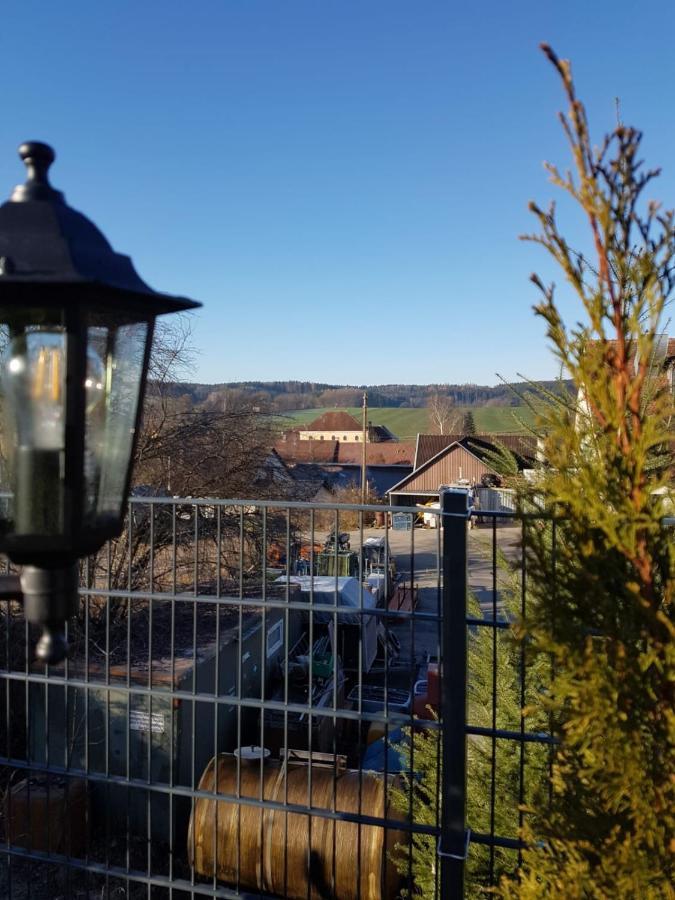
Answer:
[(406, 424)]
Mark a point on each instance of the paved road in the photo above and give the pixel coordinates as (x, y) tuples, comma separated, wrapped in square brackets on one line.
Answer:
[(417, 556)]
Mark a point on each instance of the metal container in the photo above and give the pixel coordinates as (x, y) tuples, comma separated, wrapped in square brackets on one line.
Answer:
[(110, 728)]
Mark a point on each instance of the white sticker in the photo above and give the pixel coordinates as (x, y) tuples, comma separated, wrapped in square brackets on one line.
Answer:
[(141, 721)]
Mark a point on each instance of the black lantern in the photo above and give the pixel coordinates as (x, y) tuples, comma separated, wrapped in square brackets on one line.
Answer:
[(76, 325)]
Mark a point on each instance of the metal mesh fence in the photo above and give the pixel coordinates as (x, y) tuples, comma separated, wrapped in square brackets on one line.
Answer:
[(277, 699)]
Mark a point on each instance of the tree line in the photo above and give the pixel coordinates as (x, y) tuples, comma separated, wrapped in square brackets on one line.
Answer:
[(284, 396)]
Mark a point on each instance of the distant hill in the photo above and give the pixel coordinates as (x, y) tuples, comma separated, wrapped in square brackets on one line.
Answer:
[(406, 424), (291, 396)]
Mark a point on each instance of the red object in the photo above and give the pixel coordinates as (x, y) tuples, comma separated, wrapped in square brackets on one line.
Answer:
[(433, 685), (421, 706)]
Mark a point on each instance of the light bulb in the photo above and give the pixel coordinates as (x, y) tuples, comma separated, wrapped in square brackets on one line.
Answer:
[(33, 377), (34, 388)]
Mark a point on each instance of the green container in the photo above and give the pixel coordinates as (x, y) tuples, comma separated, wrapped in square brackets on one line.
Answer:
[(322, 665)]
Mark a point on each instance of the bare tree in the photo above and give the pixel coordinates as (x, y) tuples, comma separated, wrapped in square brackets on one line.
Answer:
[(443, 415), (213, 449), (186, 450)]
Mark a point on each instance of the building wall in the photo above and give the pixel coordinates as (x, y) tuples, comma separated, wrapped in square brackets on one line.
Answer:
[(331, 435), (455, 465)]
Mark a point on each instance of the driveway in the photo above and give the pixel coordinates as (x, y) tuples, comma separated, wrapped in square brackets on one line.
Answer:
[(417, 555)]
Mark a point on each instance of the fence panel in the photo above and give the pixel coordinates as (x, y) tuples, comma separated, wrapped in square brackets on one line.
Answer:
[(252, 707), (276, 699)]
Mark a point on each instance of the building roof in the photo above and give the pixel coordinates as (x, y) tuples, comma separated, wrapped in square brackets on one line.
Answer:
[(310, 477), (382, 453), (524, 447), (292, 449), (378, 433), (385, 453), (273, 473), (333, 421)]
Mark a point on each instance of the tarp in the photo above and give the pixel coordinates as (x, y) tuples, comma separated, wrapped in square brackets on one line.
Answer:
[(348, 594), (389, 750)]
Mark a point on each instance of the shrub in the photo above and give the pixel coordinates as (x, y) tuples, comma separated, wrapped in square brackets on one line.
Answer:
[(602, 607)]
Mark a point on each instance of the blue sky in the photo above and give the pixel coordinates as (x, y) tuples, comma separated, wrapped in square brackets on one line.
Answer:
[(341, 184)]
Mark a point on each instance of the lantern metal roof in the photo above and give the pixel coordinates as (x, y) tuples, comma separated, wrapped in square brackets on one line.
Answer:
[(44, 242)]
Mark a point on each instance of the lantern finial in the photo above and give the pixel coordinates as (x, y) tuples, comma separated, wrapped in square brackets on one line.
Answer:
[(37, 158)]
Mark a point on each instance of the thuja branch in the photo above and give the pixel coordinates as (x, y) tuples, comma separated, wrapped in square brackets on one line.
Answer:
[(609, 816)]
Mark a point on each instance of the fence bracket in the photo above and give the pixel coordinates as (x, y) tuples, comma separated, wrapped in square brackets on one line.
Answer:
[(444, 854)]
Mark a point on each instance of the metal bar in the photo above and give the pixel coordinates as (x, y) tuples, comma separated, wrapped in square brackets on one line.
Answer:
[(488, 840), (519, 737), (148, 801), (393, 719), (522, 677), (8, 733), (297, 504), (269, 603), (319, 812), (193, 705), (172, 650), (27, 730), (129, 875), (411, 792), (473, 622), (263, 673), (216, 691), (493, 760), (359, 841), (87, 616), (439, 657), (240, 641), (454, 506), (285, 682)]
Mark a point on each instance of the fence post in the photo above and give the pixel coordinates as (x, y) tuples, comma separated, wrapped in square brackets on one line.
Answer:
[(453, 843)]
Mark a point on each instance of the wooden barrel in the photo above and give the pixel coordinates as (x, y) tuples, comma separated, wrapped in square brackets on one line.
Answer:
[(295, 855), (48, 813)]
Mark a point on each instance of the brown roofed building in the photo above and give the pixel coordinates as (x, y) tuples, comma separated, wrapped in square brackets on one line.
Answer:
[(447, 459), (524, 447), (341, 426), (334, 421)]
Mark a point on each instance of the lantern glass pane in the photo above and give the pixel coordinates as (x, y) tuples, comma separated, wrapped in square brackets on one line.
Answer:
[(33, 404), (115, 354)]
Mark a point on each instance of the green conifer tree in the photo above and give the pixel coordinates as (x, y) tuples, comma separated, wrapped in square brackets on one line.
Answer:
[(468, 423), (602, 590), (494, 666)]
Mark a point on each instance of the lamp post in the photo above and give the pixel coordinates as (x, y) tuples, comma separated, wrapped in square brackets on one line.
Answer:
[(76, 326)]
